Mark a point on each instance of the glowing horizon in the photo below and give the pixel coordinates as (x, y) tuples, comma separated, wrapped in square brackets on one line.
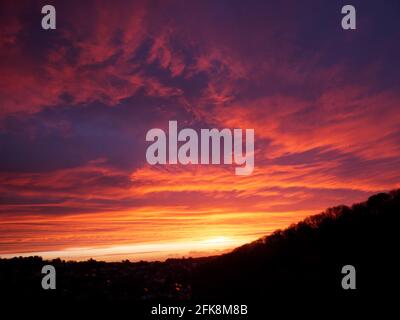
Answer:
[(137, 252), (196, 241)]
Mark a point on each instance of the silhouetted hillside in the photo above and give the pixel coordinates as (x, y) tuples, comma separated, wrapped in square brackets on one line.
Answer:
[(304, 261), (300, 263)]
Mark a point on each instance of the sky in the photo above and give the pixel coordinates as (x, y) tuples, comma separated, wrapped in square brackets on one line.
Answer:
[(76, 104)]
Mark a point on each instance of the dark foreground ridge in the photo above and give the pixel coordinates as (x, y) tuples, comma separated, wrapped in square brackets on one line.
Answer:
[(300, 263)]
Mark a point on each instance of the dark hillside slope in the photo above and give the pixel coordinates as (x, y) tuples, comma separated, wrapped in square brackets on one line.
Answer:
[(305, 261)]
